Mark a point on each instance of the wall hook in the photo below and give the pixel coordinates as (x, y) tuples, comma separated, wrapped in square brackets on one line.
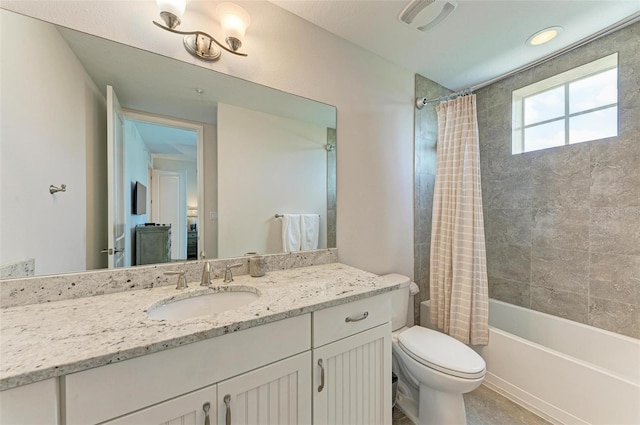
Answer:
[(53, 189)]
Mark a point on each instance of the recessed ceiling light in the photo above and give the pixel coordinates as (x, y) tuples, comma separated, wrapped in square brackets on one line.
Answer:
[(543, 36)]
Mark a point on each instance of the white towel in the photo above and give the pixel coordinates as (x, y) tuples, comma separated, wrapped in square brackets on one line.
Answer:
[(310, 231), (290, 232)]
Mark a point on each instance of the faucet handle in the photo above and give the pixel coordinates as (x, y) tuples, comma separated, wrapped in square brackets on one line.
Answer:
[(182, 281), (228, 273), (206, 274)]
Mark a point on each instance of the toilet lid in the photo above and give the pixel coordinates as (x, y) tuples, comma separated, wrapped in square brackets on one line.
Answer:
[(441, 352)]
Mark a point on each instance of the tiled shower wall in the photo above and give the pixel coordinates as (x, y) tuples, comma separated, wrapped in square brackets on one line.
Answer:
[(426, 135), (562, 225)]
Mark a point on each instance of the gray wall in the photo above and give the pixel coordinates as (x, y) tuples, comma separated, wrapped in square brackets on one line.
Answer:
[(563, 224), (426, 135)]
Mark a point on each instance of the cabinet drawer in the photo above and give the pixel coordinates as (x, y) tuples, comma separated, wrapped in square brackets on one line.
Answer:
[(339, 322), (106, 392), (185, 410)]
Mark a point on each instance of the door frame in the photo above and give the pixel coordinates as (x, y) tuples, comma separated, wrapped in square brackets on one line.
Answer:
[(185, 125)]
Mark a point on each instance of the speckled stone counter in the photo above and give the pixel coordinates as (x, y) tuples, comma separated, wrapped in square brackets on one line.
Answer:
[(45, 289), (41, 341)]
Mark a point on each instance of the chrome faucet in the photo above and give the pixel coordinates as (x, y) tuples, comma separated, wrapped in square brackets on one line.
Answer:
[(182, 281), (228, 274), (206, 274)]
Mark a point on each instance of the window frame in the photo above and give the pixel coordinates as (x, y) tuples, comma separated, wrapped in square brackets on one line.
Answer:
[(564, 79)]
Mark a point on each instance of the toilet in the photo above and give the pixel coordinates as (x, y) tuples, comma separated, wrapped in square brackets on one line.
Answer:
[(433, 369)]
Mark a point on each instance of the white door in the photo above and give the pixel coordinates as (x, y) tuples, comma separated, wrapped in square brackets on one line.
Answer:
[(191, 409), (169, 206), (352, 379), (116, 223), (277, 394)]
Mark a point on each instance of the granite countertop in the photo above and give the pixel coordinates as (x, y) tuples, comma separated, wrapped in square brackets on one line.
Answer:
[(42, 341)]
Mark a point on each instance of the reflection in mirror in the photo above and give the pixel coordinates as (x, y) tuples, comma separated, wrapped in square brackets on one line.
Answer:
[(207, 158)]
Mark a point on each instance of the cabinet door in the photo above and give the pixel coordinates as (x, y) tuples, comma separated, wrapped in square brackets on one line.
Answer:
[(352, 379), (32, 404), (277, 394), (189, 409)]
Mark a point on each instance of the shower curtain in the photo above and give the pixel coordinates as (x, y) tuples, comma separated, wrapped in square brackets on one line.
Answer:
[(458, 274)]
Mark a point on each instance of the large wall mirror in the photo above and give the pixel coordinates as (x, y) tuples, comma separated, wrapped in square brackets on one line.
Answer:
[(160, 160)]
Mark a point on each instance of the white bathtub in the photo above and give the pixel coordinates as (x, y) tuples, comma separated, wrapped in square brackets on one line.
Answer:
[(564, 371)]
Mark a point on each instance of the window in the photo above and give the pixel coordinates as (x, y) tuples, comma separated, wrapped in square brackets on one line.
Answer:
[(573, 107)]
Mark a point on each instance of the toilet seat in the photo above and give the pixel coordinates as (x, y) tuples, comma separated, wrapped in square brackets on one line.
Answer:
[(441, 352)]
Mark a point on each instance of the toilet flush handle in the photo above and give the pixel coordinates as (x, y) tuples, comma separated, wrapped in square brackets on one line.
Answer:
[(357, 318)]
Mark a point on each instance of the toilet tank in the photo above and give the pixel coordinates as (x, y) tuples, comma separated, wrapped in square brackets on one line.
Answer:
[(399, 300)]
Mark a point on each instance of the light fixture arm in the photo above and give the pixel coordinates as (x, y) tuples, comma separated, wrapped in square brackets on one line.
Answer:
[(197, 33)]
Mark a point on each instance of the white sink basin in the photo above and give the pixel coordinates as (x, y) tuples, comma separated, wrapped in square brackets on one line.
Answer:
[(204, 304)]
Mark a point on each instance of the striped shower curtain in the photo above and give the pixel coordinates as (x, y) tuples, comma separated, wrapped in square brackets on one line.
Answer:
[(458, 274)]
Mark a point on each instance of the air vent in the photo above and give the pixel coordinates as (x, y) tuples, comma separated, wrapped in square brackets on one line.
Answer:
[(449, 7), (409, 13), (414, 8)]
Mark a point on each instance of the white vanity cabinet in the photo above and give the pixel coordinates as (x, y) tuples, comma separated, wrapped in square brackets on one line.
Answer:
[(332, 366), (352, 363)]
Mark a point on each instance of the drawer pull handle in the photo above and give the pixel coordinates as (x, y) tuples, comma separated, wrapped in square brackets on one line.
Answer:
[(206, 407), (227, 401), (321, 387), (357, 318)]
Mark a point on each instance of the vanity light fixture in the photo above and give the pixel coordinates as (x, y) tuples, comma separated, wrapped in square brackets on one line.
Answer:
[(233, 19), (543, 36)]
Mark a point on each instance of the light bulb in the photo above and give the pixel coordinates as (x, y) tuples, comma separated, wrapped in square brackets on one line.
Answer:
[(234, 21), (177, 7), (544, 36), (171, 11)]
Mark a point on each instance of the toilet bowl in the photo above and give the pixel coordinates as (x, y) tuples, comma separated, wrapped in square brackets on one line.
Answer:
[(434, 370)]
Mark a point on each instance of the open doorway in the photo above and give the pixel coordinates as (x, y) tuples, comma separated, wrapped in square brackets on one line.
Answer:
[(164, 155)]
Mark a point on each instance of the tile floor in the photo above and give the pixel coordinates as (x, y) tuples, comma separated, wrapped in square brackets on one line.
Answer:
[(487, 407)]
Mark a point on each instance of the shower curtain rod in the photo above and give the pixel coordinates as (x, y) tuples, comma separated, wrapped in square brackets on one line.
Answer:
[(421, 102)]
